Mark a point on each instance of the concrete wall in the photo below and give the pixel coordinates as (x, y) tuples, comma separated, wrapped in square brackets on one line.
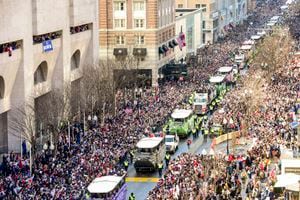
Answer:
[(23, 20)]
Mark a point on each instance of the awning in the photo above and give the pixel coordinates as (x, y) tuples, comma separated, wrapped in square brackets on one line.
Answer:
[(285, 180), (139, 51), (161, 50), (120, 52), (171, 45), (165, 48), (175, 43)]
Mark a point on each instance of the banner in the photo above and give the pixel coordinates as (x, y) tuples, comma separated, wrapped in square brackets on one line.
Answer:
[(47, 46)]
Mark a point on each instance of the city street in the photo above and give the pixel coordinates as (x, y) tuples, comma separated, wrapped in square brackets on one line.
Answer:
[(88, 87)]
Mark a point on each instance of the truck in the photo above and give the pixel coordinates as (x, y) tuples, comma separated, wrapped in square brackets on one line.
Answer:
[(202, 100), (171, 142), (181, 123), (150, 152)]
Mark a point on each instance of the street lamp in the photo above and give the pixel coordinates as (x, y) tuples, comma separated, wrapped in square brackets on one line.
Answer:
[(227, 139)]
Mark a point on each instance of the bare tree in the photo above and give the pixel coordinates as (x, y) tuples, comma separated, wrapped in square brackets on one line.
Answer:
[(23, 125)]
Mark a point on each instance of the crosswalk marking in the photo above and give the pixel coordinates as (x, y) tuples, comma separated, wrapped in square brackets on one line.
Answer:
[(142, 179)]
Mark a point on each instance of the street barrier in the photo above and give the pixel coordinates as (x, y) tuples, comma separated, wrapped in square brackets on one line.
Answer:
[(223, 137)]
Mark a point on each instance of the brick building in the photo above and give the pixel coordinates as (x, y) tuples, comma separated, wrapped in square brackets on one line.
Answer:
[(139, 29)]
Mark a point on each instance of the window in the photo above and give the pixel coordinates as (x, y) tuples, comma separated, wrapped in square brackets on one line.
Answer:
[(119, 23), (119, 5), (139, 23), (203, 38), (120, 39), (198, 5), (140, 39), (204, 7), (138, 5), (180, 5), (203, 24)]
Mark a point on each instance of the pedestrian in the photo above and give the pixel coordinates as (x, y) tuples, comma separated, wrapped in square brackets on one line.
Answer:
[(167, 158), (131, 155), (189, 142), (160, 168), (126, 165), (132, 196)]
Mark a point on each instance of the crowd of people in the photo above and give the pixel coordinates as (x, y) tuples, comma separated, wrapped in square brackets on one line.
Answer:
[(48, 36), (102, 150), (252, 173)]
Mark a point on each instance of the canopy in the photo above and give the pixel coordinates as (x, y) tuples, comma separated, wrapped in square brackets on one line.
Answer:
[(246, 47), (216, 79), (248, 42), (104, 184), (270, 23), (293, 187), (225, 69), (149, 142), (261, 33), (181, 113), (285, 180), (255, 37)]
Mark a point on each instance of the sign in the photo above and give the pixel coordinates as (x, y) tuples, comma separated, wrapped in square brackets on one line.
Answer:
[(47, 46)]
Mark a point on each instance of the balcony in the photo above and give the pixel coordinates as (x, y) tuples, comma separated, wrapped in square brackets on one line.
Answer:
[(82, 12)]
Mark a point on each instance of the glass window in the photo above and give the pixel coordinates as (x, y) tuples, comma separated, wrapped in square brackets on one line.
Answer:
[(119, 5), (140, 39), (138, 5), (119, 23), (120, 40), (203, 24), (204, 7), (180, 5), (198, 5), (139, 23)]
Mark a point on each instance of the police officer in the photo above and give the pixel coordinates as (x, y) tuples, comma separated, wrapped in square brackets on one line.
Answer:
[(132, 196), (126, 165), (131, 154), (206, 132), (167, 158), (194, 132), (160, 168)]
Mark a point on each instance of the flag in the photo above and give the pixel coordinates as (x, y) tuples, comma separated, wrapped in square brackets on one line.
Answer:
[(181, 40)]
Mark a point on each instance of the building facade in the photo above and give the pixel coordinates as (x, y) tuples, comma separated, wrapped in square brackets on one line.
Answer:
[(189, 22), (138, 29), (217, 15), (44, 45)]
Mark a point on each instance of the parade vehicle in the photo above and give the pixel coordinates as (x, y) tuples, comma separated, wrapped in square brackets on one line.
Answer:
[(239, 60), (181, 122), (108, 187), (171, 142), (216, 130), (150, 152), (219, 82), (202, 100), (228, 73)]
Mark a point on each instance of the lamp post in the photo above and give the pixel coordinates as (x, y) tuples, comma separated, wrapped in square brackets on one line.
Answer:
[(227, 139)]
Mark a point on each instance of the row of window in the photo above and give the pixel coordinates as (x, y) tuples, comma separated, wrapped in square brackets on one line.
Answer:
[(196, 6), (121, 23), (139, 40), (164, 36), (137, 6)]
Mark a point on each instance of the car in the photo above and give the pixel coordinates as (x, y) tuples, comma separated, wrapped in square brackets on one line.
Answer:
[(171, 142)]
